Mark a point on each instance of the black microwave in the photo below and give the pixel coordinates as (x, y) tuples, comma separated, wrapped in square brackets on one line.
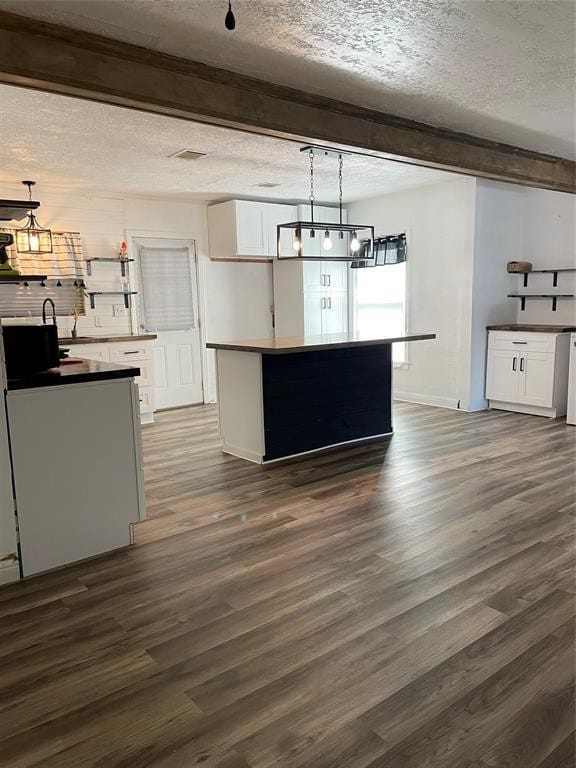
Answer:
[(30, 348)]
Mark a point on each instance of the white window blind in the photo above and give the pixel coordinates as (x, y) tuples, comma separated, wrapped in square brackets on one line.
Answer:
[(167, 298)]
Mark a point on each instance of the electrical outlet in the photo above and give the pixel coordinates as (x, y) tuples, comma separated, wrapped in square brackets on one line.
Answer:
[(97, 321), (119, 310)]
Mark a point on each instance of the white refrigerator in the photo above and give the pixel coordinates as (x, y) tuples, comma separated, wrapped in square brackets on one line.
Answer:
[(571, 413), (9, 566)]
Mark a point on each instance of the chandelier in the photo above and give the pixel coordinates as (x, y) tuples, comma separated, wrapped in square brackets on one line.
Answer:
[(32, 238), (300, 239)]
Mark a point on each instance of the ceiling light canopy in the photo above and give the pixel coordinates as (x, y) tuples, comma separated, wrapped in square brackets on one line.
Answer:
[(230, 20), (32, 238), (297, 239)]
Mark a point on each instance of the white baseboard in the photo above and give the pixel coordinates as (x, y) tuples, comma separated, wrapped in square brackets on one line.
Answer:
[(533, 410), (420, 399), (9, 574), (242, 453)]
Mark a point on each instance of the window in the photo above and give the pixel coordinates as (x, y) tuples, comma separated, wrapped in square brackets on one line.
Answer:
[(166, 288), (379, 303)]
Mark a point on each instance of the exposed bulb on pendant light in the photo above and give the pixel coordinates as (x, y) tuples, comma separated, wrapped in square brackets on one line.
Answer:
[(312, 233), (230, 20), (297, 242), (354, 243), (327, 242)]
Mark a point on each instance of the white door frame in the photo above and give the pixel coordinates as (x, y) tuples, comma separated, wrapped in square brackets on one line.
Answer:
[(197, 239)]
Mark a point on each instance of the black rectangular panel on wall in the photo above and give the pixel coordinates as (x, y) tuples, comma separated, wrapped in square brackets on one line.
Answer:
[(316, 399)]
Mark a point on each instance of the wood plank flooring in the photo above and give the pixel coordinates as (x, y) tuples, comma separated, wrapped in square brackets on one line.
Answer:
[(401, 604)]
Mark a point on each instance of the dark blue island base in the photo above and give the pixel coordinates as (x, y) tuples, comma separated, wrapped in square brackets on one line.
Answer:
[(285, 397), (317, 399)]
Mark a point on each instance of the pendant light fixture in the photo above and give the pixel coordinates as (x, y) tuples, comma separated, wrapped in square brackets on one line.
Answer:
[(32, 238), (230, 20), (354, 241)]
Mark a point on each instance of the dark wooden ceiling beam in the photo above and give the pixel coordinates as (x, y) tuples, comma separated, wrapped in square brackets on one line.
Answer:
[(54, 58)]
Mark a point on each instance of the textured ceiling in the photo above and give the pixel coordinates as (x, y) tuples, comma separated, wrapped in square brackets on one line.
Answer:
[(62, 141), (497, 69)]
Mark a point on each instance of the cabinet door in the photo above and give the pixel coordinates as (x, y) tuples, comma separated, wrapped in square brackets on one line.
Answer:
[(277, 213), (314, 277), (335, 316), (502, 375), (313, 313), (536, 379), (336, 275), (251, 229)]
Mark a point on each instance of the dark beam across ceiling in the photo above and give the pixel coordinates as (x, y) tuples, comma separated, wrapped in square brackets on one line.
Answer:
[(49, 57)]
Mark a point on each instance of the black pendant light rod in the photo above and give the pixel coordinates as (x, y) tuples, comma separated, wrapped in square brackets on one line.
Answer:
[(311, 198), (230, 20), (340, 166)]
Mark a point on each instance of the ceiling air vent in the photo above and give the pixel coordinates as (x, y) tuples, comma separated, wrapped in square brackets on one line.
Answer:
[(188, 154)]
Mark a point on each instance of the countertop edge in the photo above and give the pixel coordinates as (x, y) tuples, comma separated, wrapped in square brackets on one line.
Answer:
[(240, 347), (77, 373), (532, 328), (65, 341)]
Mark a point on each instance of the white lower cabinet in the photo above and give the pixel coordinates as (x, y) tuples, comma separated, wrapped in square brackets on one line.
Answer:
[(139, 353), (77, 464), (528, 372)]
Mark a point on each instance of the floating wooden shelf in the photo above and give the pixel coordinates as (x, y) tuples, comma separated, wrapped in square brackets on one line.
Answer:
[(552, 271), (111, 259), (553, 296), (126, 295)]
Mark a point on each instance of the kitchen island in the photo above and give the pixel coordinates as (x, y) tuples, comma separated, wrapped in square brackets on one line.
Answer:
[(283, 397)]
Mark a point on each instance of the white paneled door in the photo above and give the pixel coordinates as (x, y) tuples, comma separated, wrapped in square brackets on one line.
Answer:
[(168, 307)]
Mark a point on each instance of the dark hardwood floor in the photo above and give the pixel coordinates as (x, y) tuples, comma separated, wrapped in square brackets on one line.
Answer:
[(400, 604)]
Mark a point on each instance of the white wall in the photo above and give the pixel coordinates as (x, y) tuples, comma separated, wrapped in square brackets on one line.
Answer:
[(439, 222), (497, 240), (548, 241)]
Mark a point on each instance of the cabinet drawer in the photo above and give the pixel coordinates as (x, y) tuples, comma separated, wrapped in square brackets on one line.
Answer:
[(122, 353), (146, 378), (99, 352), (146, 398), (522, 342)]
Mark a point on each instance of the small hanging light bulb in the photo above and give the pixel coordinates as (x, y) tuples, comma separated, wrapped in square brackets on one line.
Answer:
[(230, 20), (297, 243), (327, 242), (354, 243)]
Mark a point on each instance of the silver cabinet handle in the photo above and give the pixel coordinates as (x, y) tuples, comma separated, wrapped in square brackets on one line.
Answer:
[(329, 277), (323, 305), (133, 352), (514, 360), (322, 279), (329, 302), (519, 342), (522, 364)]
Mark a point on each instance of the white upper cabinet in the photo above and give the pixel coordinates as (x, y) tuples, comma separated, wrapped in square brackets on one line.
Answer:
[(251, 229), (246, 229)]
